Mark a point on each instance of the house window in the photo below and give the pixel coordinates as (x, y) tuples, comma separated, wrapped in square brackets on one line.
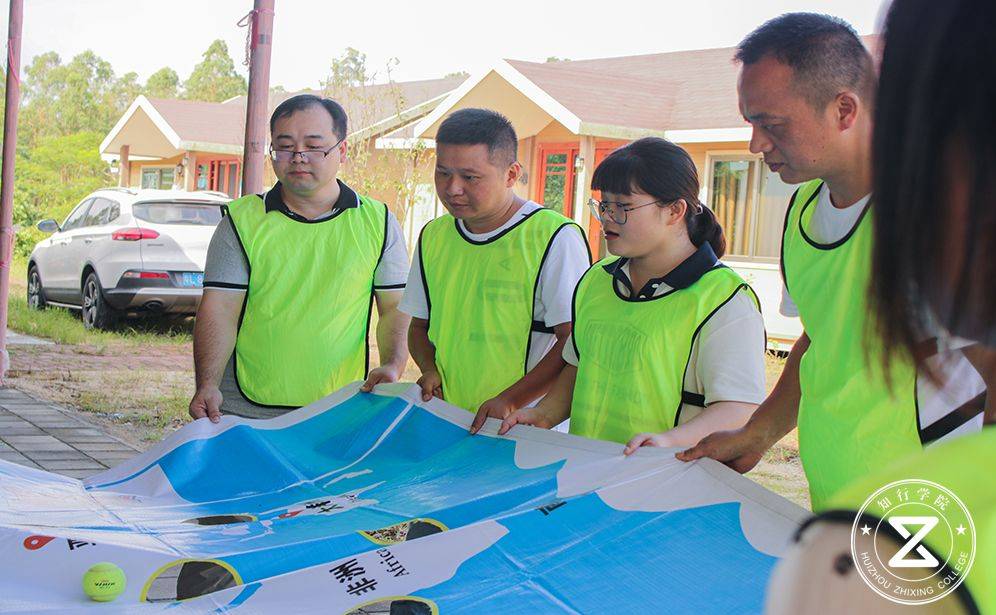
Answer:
[(556, 180), (750, 202), (158, 177), (202, 177)]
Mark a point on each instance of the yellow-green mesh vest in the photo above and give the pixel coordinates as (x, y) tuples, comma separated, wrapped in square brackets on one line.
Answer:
[(480, 297), (633, 355), (964, 466), (303, 331), (850, 423)]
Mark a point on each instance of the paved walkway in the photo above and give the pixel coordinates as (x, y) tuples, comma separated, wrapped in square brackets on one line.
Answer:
[(14, 338), (41, 435)]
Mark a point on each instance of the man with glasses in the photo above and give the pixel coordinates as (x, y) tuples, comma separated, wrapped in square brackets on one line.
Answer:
[(491, 284), (290, 278)]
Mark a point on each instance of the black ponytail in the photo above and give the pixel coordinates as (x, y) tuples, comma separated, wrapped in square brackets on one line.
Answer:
[(666, 172), (703, 227)]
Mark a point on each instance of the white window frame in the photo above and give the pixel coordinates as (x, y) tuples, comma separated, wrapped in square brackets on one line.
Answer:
[(713, 156), (160, 168)]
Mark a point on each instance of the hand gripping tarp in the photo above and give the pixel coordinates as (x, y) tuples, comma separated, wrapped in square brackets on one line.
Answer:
[(366, 503)]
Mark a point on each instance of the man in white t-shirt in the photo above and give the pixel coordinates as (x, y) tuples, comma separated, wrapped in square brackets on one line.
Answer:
[(492, 281), (806, 87)]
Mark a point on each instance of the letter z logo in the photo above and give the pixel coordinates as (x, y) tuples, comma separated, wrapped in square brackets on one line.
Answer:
[(913, 542)]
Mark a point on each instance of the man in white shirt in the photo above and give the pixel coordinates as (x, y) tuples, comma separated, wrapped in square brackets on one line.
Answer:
[(492, 281), (806, 87)]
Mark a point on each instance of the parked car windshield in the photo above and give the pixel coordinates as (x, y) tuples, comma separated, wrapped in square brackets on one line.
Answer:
[(178, 212)]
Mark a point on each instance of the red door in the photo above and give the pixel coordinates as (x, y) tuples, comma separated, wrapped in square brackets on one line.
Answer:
[(595, 240), (556, 186), (224, 177)]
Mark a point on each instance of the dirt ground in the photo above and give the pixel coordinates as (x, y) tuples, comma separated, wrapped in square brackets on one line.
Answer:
[(139, 393)]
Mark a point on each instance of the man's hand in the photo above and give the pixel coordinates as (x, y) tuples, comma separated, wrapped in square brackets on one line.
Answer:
[(740, 449), (379, 375), (526, 416), (206, 403), (496, 407), (647, 439), (432, 385)]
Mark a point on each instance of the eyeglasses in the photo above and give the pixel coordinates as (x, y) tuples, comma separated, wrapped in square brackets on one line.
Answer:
[(308, 155), (617, 212)]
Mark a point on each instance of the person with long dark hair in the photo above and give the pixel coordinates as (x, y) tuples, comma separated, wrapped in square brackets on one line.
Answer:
[(934, 233), (667, 343)]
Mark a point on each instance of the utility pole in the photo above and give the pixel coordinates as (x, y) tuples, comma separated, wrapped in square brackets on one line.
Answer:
[(257, 101), (7, 171)]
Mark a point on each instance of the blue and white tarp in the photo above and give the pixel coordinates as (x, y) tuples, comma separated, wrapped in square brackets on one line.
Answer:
[(365, 503)]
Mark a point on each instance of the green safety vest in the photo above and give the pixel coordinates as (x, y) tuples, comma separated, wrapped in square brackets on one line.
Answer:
[(306, 315), (480, 296), (964, 466), (633, 354), (850, 422)]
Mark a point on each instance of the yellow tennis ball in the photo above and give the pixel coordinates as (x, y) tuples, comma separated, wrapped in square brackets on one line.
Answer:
[(103, 582)]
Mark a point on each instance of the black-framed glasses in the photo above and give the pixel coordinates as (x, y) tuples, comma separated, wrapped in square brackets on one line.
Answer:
[(307, 155), (617, 212)]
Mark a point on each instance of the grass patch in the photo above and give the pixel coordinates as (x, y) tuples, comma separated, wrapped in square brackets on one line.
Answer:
[(65, 327), (155, 404)]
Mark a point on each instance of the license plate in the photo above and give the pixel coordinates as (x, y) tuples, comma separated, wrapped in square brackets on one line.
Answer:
[(193, 280)]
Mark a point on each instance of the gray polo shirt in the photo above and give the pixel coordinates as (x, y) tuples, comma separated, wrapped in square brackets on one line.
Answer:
[(227, 270)]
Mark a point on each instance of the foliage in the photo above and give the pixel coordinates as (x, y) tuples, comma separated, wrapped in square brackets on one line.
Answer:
[(51, 178), (215, 78), (68, 108), (63, 99), (348, 70), (394, 174), (164, 83), (63, 327)]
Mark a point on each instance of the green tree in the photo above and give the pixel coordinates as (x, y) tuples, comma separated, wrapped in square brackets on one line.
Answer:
[(348, 70), (51, 178), (556, 59), (164, 83), (66, 110), (393, 175), (125, 91), (460, 73), (215, 78), (64, 99)]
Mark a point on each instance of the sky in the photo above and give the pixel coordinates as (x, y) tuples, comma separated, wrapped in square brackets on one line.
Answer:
[(428, 38)]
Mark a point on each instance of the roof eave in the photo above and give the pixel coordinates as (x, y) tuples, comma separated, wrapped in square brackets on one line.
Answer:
[(612, 131), (518, 81), (211, 148), (143, 103), (399, 119)]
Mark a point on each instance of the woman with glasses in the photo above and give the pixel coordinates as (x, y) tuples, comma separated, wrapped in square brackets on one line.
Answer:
[(668, 343)]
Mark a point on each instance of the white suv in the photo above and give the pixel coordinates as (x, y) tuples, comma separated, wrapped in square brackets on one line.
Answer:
[(125, 250)]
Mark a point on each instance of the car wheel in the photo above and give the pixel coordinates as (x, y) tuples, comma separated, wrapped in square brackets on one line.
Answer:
[(36, 295), (96, 313)]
